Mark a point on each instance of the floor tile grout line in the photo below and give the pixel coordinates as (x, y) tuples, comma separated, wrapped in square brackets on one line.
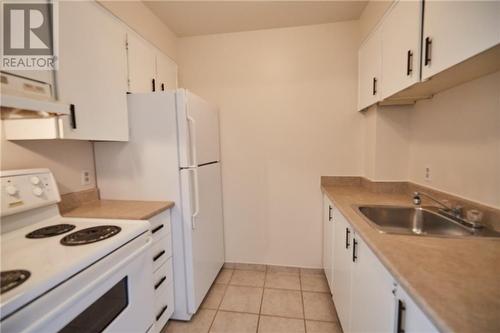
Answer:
[(303, 307), (261, 300), (220, 303)]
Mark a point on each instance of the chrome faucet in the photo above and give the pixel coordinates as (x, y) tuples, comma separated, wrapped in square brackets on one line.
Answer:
[(457, 210), (453, 212)]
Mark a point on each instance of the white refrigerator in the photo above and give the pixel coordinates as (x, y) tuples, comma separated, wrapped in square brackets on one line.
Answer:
[(173, 154)]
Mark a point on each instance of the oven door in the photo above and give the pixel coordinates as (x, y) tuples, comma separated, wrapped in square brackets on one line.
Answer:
[(113, 295)]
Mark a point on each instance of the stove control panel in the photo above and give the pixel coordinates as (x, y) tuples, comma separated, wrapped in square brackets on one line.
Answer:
[(23, 190)]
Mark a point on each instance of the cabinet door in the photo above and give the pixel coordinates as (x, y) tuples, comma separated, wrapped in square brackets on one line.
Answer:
[(166, 72), (457, 30), (372, 300), (328, 239), (342, 269), (401, 47), (92, 72), (369, 67), (141, 65), (409, 317)]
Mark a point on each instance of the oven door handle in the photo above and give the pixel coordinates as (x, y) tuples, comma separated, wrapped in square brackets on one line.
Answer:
[(78, 295)]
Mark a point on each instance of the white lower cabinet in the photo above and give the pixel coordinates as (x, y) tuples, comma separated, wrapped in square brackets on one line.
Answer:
[(328, 239), (342, 270), (409, 317), (372, 301), (366, 296), (163, 281)]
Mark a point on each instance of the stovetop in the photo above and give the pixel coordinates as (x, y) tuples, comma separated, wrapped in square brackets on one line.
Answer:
[(48, 262)]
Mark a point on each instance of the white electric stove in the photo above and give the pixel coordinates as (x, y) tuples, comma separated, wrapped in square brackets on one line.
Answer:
[(69, 274)]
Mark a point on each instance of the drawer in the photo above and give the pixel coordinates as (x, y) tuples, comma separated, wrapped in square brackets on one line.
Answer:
[(161, 251), (160, 225), (164, 306), (163, 275)]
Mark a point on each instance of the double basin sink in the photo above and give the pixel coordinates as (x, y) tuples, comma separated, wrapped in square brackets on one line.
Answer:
[(421, 221)]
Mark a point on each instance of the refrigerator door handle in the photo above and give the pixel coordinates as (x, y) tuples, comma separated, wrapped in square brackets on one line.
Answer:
[(196, 198), (192, 141)]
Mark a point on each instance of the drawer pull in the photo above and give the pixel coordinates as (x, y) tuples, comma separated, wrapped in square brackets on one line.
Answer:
[(158, 316), (158, 228), (156, 257), (347, 232), (159, 283), (401, 309)]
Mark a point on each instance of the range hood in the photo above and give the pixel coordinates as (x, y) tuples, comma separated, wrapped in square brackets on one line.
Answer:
[(29, 110), (17, 104), (23, 95)]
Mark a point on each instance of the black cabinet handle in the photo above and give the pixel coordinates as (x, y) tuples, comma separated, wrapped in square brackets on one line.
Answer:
[(158, 228), (72, 113), (428, 45), (158, 316), (156, 257), (154, 84), (347, 232), (354, 254), (159, 283), (409, 63), (374, 91), (329, 213), (401, 309), (163, 87)]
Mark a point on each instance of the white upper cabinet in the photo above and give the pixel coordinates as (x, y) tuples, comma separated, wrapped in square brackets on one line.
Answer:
[(457, 30), (148, 69), (92, 73), (166, 72), (328, 239), (401, 30), (369, 70), (141, 65)]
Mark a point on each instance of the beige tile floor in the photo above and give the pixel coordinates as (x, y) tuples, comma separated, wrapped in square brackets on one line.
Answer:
[(264, 299)]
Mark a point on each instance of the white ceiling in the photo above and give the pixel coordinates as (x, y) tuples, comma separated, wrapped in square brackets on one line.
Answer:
[(191, 18)]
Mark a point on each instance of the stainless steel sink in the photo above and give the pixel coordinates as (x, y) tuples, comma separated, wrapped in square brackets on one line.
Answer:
[(419, 221)]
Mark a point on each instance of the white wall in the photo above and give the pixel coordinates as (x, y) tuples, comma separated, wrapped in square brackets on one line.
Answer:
[(457, 134), (65, 158), (287, 101), (386, 144)]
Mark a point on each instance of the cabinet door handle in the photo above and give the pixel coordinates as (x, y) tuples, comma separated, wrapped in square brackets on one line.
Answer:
[(163, 87), (159, 283), (374, 91), (347, 232), (354, 254), (156, 257), (329, 213), (399, 323), (158, 228), (153, 84), (428, 45), (409, 63), (158, 316), (72, 113)]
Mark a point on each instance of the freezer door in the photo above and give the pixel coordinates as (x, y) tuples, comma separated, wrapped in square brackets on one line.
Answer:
[(204, 230), (198, 123)]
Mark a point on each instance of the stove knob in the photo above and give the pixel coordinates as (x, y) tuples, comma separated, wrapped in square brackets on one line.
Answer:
[(35, 180), (37, 191), (11, 190)]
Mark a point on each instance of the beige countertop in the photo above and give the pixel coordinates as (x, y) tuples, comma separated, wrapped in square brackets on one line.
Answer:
[(455, 281), (119, 209)]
